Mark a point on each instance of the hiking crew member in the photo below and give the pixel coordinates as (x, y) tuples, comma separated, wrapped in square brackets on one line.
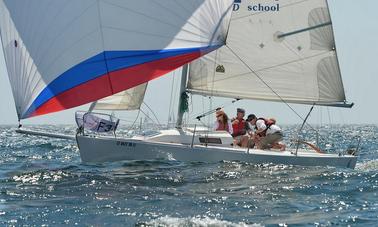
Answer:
[(251, 132), (273, 138), (268, 134), (240, 128), (222, 123)]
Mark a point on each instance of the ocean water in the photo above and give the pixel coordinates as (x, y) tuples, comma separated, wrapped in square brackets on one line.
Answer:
[(43, 183)]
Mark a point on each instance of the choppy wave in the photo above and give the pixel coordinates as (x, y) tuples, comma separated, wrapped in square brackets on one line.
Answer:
[(371, 165), (43, 182)]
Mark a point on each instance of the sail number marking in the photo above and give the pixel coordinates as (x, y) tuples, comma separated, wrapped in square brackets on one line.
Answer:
[(126, 144)]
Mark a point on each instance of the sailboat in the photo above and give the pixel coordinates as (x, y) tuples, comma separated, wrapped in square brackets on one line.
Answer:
[(109, 50)]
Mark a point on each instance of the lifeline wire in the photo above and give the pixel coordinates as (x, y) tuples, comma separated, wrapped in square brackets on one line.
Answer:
[(153, 113)]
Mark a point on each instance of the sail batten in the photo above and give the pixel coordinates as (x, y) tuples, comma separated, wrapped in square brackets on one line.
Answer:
[(304, 29), (69, 53), (287, 55)]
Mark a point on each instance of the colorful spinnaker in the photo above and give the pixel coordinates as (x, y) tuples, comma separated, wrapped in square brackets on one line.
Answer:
[(62, 54)]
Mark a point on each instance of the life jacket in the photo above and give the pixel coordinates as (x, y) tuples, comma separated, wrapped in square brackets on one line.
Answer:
[(239, 129), (267, 122)]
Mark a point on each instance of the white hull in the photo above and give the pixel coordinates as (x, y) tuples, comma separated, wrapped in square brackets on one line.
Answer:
[(106, 149)]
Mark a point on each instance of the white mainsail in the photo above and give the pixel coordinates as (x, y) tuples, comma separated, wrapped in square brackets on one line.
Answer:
[(62, 54), (286, 55)]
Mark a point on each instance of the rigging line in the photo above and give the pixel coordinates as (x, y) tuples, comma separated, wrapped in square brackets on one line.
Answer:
[(300, 129), (203, 124), (341, 116), (170, 100), (266, 84), (272, 67), (146, 115), (223, 105), (212, 89), (103, 46), (124, 120), (329, 117), (213, 79), (321, 116), (208, 119), (153, 113), (132, 125)]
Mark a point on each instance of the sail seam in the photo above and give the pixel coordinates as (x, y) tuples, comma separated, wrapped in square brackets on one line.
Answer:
[(103, 47), (272, 67), (155, 18), (266, 84)]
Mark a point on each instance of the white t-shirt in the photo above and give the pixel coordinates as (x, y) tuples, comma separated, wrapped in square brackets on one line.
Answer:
[(260, 124), (273, 129), (251, 128)]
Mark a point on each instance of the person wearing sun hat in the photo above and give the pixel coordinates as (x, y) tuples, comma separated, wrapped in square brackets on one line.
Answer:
[(222, 122)]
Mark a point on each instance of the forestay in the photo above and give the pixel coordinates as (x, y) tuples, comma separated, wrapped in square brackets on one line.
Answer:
[(61, 54), (287, 55)]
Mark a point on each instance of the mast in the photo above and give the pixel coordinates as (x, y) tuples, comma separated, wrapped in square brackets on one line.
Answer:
[(180, 111)]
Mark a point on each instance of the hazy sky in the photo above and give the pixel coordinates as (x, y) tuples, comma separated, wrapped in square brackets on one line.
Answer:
[(356, 30)]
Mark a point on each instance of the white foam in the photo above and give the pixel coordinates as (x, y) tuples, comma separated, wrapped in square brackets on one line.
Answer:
[(368, 165), (195, 222)]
